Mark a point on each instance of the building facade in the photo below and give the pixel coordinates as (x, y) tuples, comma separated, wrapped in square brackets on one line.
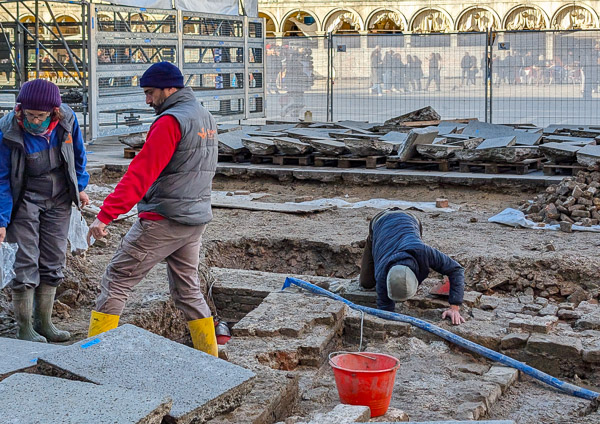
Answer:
[(314, 18)]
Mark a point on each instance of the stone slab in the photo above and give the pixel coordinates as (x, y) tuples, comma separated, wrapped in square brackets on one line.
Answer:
[(589, 156), (369, 147), (291, 146), (395, 136), (259, 145), (225, 128), (417, 136), (437, 151), (485, 130), (327, 146), (20, 355), (343, 414), (30, 398), (559, 152), (231, 142), (200, 385), (498, 142), (582, 141)]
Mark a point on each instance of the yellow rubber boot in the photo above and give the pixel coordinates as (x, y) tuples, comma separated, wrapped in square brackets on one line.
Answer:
[(203, 335), (101, 323)]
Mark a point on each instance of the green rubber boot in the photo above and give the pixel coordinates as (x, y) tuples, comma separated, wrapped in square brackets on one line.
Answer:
[(23, 307), (44, 302)]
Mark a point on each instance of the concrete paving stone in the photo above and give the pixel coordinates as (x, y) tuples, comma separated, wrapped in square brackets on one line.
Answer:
[(30, 398), (291, 146), (494, 143), (589, 156), (471, 298), (343, 414), (437, 151), (21, 355), (488, 303), (548, 310), (200, 385)]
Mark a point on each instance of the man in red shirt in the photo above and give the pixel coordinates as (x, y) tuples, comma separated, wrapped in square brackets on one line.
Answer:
[(170, 180)]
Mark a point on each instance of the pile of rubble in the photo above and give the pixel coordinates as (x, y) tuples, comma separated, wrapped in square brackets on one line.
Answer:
[(576, 200)]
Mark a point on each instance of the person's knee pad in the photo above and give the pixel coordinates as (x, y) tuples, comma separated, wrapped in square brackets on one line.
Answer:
[(402, 283)]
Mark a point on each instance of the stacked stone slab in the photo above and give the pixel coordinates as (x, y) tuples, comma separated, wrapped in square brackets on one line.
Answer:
[(30, 398), (200, 385), (21, 355), (576, 200)]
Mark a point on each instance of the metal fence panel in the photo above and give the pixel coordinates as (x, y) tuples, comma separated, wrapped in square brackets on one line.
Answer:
[(376, 77), (546, 77), (297, 78), (221, 58)]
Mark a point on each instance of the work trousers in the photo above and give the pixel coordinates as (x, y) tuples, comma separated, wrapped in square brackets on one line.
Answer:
[(40, 228), (145, 245)]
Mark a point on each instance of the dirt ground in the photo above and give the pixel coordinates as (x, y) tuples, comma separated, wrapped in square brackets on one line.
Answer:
[(330, 244)]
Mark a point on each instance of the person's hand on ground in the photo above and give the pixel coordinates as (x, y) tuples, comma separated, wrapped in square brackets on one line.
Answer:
[(2, 234), (84, 199), (97, 230), (454, 314)]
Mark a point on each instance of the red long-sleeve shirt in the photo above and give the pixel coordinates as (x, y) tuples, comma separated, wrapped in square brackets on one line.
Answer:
[(144, 169)]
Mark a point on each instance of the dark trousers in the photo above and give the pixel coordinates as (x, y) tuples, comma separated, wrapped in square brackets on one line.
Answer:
[(40, 228)]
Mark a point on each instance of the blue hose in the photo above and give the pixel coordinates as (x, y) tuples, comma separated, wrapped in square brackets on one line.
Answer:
[(453, 338)]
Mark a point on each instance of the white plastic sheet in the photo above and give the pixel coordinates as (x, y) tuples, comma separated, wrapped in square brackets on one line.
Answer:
[(516, 218), (8, 252), (78, 231), (146, 4), (378, 204)]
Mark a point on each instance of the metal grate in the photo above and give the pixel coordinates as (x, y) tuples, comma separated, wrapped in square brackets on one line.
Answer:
[(124, 54), (255, 29), (296, 78), (123, 21), (394, 74), (546, 77), (196, 25), (213, 54)]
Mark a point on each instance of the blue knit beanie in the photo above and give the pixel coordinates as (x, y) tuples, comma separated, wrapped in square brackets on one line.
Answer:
[(40, 95), (162, 75)]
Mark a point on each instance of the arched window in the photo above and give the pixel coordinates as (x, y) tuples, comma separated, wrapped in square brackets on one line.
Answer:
[(385, 22), (269, 25), (68, 25), (299, 24), (343, 22)]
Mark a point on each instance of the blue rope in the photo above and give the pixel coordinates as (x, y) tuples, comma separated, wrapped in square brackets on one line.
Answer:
[(453, 338)]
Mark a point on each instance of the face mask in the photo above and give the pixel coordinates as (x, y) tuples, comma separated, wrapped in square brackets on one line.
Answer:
[(36, 129)]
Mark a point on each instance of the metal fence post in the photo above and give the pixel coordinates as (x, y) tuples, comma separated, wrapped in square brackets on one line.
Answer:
[(487, 71), (491, 78), (329, 77)]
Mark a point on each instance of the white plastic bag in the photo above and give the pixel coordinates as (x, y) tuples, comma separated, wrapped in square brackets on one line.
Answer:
[(8, 252), (78, 231)]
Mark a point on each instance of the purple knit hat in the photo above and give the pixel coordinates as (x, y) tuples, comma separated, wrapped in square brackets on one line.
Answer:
[(39, 94)]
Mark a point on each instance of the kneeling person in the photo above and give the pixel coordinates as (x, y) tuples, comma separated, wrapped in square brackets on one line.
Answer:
[(395, 261)]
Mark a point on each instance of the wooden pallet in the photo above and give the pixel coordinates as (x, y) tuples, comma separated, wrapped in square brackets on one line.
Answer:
[(369, 162), (443, 165), (235, 158), (130, 152), (520, 168), (305, 160), (553, 169)]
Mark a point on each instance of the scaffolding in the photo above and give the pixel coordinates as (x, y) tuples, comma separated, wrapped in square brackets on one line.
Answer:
[(98, 57), (53, 47)]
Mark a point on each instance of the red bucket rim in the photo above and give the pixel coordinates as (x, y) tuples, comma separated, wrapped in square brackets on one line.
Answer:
[(366, 354)]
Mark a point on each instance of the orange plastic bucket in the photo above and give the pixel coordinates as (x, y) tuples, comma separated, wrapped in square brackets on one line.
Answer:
[(365, 379)]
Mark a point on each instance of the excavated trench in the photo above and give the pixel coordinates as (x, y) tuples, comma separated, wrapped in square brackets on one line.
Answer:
[(560, 279)]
